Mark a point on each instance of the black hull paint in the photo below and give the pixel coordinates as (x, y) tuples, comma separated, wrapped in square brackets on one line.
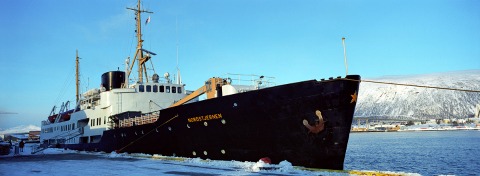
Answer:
[(253, 125)]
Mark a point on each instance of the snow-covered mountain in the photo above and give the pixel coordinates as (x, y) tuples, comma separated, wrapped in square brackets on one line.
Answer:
[(394, 101), (20, 129)]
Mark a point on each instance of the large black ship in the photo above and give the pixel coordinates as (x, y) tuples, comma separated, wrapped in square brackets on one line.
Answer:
[(306, 123)]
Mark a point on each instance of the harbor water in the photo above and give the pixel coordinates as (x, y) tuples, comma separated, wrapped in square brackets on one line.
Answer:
[(426, 152)]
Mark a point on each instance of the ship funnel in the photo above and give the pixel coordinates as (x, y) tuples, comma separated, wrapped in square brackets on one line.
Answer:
[(113, 79)]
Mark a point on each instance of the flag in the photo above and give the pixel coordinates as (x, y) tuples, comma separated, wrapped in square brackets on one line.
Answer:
[(148, 20)]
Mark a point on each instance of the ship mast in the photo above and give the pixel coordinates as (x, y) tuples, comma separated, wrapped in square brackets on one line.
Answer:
[(77, 80), (139, 55)]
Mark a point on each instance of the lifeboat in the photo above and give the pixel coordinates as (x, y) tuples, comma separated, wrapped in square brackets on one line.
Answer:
[(51, 118), (66, 115)]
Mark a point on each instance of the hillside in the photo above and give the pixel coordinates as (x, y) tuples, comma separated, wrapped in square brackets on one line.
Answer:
[(391, 101), (19, 129)]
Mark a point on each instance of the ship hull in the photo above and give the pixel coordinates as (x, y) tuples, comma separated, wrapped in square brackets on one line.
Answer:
[(248, 126)]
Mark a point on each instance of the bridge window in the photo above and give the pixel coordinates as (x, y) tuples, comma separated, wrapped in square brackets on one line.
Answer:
[(174, 89), (162, 89), (73, 126), (179, 90), (141, 88), (155, 88), (149, 88), (167, 89)]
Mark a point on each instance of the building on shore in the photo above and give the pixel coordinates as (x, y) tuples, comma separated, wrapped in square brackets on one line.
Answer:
[(27, 136)]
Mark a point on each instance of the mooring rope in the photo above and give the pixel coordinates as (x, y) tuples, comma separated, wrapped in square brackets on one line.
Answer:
[(154, 129), (414, 85)]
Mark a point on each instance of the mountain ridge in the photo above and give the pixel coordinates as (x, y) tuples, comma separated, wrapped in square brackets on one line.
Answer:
[(407, 102), (20, 129)]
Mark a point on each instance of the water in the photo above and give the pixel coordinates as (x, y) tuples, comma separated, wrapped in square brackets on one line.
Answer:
[(426, 153)]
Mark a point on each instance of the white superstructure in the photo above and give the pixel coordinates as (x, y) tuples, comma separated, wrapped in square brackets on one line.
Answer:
[(94, 113)]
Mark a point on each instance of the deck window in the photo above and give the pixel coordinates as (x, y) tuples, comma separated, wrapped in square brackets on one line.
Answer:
[(141, 88), (149, 88), (155, 88), (162, 88), (174, 89)]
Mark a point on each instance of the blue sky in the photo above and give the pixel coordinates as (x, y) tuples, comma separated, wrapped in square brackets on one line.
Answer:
[(290, 40)]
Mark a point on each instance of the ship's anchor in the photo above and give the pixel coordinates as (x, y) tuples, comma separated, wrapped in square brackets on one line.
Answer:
[(319, 126)]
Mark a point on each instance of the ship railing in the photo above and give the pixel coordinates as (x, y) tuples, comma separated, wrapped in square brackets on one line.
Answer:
[(38, 148), (69, 134), (259, 81), (140, 120)]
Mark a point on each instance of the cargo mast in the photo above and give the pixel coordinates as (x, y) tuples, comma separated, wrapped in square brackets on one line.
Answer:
[(139, 55)]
